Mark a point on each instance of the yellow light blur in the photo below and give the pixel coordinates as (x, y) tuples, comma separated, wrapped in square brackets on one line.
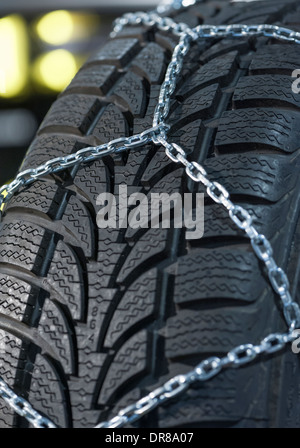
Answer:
[(4, 194), (55, 70), (56, 28), (61, 27), (14, 56)]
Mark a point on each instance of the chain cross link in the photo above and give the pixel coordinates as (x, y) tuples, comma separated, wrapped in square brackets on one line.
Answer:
[(245, 353)]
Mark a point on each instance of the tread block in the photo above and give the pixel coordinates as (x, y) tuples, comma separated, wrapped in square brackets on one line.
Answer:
[(186, 17), (53, 327), (158, 164), (131, 93), (23, 244), (75, 111), (89, 364), (279, 59), (118, 52), (101, 299), (265, 91), (269, 13), (44, 148), (78, 220), (267, 220), (241, 46), (12, 368), (130, 362), (151, 62), (200, 104), (210, 274), (292, 18), (170, 183), (47, 394), (131, 173), (166, 40), (110, 254), (6, 416), (108, 236), (137, 304), (220, 70), (128, 398), (152, 244), (191, 62), (205, 11), (193, 332), (141, 33), (220, 402), (188, 137), (92, 180), (252, 129), (39, 197), (17, 298), (98, 278), (65, 277), (12, 358), (82, 390), (257, 175), (111, 125), (142, 124), (94, 79), (218, 14)]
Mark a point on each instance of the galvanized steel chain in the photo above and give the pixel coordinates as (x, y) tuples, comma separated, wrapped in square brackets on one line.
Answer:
[(23, 408), (206, 370), (84, 155), (244, 221), (243, 354)]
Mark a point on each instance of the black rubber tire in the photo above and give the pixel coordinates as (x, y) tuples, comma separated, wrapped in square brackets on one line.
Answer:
[(91, 320)]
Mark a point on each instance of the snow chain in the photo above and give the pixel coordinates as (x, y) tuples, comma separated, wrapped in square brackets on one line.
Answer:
[(158, 135)]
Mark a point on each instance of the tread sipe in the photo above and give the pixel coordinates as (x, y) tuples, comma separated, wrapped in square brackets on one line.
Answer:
[(91, 320)]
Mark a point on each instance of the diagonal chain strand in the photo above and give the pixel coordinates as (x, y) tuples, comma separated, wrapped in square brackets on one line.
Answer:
[(206, 370), (243, 354), (82, 156), (23, 408)]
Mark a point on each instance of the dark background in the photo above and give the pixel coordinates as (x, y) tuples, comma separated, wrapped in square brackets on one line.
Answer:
[(42, 45)]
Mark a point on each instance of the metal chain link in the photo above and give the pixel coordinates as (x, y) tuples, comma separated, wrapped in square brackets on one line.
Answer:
[(243, 354), (244, 221), (23, 408), (80, 157), (206, 370)]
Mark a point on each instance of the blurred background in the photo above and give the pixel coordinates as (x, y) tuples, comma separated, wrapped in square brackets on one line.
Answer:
[(42, 46)]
